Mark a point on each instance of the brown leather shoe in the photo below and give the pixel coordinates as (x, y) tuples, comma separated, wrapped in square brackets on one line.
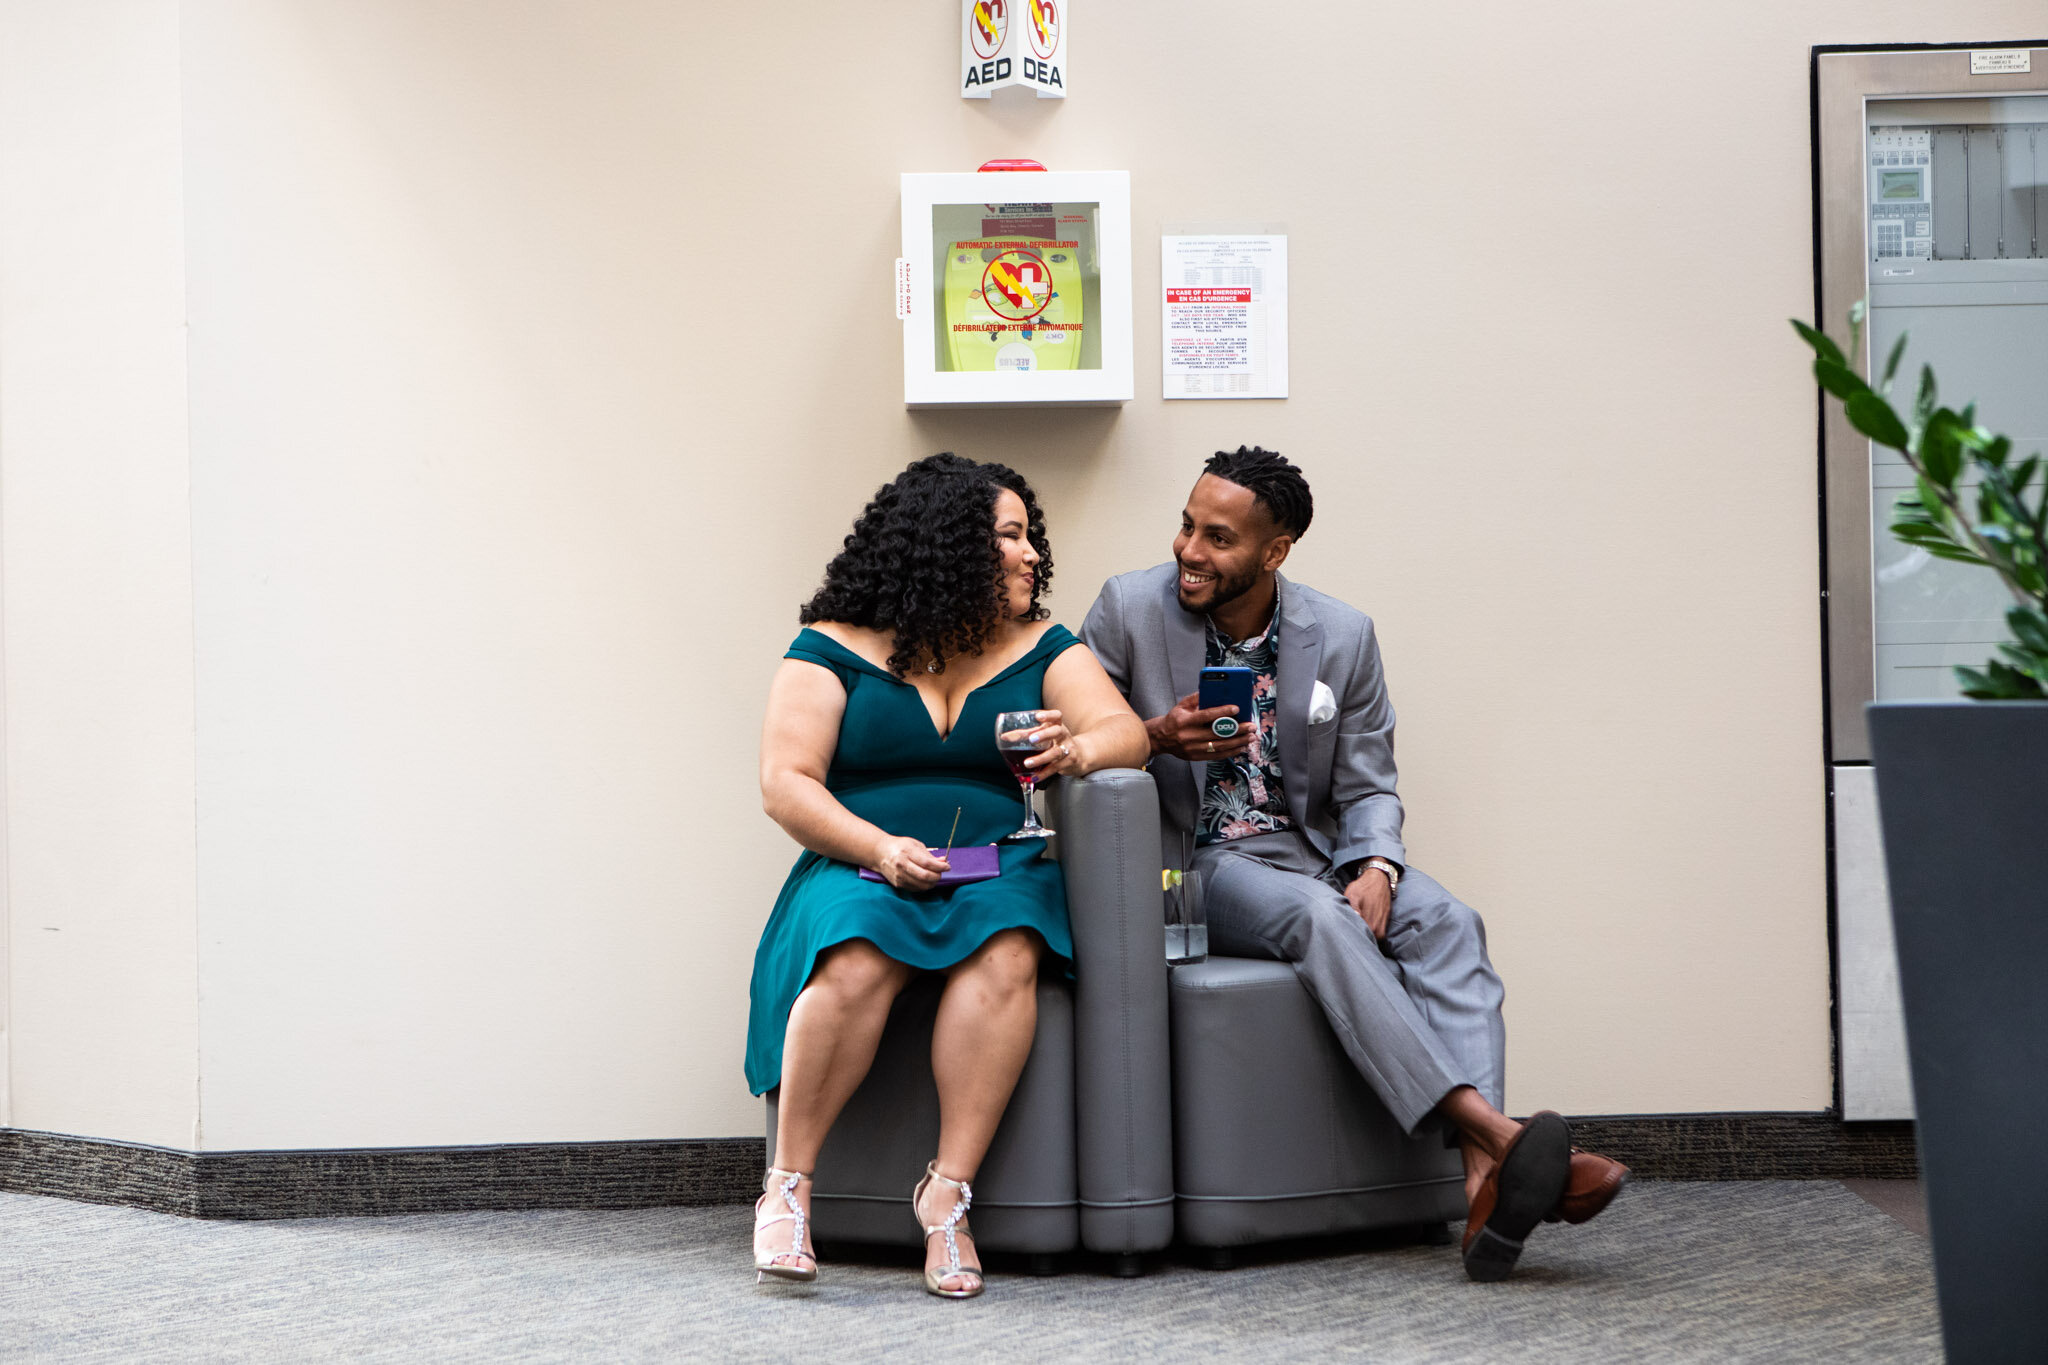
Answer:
[(1524, 1184), (1589, 1187)]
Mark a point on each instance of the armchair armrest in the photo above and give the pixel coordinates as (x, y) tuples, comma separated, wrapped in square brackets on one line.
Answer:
[(1108, 825)]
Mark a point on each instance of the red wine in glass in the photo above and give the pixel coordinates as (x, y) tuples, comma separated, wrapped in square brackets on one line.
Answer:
[(1013, 739)]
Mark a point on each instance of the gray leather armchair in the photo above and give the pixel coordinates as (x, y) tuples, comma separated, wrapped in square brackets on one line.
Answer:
[(1275, 1133), (1084, 1156)]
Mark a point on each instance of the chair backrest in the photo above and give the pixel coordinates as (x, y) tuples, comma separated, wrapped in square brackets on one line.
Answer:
[(1108, 824)]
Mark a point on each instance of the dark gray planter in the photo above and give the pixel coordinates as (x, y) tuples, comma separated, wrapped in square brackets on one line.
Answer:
[(1963, 792)]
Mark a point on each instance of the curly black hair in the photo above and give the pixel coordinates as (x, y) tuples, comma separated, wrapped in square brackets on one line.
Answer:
[(1275, 484), (923, 561)]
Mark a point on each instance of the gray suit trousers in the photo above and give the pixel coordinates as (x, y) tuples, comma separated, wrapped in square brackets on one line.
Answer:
[(1418, 1014)]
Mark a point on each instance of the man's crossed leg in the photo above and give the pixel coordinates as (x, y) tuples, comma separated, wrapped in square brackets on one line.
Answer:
[(1418, 1013)]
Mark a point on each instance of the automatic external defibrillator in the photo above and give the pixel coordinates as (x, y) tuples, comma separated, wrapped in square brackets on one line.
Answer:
[(1014, 296)]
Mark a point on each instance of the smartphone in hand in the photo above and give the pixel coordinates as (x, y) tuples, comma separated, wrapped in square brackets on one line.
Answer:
[(1227, 687)]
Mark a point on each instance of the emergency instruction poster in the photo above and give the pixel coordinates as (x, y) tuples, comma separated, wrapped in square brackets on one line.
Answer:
[(1223, 315)]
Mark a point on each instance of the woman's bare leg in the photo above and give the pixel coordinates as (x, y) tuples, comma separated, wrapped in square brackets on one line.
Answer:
[(829, 1044), (980, 1040), (827, 1048)]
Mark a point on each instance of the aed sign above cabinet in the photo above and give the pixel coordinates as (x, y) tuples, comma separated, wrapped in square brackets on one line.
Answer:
[(1005, 43), (1015, 288)]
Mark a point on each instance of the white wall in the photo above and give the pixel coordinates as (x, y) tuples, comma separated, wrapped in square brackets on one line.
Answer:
[(95, 575), (533, 379)]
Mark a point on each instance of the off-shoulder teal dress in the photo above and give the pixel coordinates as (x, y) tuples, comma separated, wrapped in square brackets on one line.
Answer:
[(892, 768)]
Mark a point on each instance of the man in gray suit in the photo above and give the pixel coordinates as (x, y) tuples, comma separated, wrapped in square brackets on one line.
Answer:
[(1296, 829)]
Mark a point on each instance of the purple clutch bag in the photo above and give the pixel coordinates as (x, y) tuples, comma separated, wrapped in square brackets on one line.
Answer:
[(975, 863)]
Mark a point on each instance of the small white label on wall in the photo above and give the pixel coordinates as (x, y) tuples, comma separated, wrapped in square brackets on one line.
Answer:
[(902, 288), (2004, 61)]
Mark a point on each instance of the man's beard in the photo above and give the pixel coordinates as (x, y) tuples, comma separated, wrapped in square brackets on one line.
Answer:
[(1228, 590)]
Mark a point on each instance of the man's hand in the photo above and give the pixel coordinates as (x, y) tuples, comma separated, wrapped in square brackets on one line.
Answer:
[(1372, 896), (1184, 732)]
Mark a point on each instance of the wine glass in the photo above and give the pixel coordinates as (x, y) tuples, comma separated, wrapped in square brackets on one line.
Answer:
[(1013, 737)]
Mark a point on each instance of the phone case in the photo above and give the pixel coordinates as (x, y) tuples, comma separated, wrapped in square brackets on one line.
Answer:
[(1227, 687)]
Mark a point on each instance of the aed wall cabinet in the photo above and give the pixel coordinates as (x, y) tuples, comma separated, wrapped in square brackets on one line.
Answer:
[(1020, 288)]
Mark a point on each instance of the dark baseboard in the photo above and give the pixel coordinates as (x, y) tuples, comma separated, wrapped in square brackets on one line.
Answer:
[(1769, 1146), (383, 1180), (637, 1175), (95, 1171)]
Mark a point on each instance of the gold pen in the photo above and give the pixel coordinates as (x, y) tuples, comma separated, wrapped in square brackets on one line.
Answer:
[(947, 856)]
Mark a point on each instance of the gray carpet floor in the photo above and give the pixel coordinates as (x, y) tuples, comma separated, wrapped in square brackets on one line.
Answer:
[(1672, 1272)]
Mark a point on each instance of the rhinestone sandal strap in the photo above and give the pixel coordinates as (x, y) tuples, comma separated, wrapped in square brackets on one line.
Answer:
[(787, 1189), (952, 1222)]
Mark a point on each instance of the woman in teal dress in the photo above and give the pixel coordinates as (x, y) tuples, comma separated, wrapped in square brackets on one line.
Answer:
[(880, 728)]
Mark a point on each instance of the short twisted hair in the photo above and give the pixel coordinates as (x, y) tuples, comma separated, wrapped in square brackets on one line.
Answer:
[(923, 561), (1273, 483)]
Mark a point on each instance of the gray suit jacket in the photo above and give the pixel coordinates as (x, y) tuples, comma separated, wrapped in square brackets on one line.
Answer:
[(1338, 775)]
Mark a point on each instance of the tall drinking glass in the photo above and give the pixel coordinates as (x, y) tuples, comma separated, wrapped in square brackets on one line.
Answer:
[(1187, 919), (1013, 737)]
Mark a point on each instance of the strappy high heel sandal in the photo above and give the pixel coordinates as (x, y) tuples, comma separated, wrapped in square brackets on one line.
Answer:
[(954, 1224), (795, 1263)]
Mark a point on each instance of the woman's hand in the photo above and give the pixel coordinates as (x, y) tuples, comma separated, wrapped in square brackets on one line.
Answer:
[(907, 864), (1058, 747)]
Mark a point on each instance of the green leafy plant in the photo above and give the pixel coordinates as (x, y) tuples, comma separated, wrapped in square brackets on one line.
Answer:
[(2004, 533)]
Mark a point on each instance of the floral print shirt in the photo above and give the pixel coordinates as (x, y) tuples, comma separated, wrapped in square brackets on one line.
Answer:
[(1242, 795)]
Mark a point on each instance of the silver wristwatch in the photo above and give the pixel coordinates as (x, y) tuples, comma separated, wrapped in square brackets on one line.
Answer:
[(1393, 873)]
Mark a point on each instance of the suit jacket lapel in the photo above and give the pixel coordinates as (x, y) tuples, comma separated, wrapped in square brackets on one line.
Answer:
[(1295, 669), (1186, 647)]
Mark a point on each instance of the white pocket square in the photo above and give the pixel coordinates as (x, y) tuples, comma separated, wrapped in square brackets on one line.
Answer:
[(1322, 703)]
